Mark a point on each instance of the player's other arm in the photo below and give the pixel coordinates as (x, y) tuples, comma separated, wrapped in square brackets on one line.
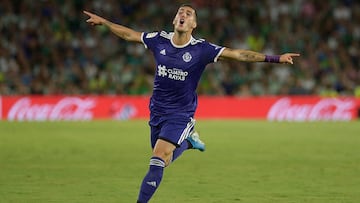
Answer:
[(121, 31), (252, 56)]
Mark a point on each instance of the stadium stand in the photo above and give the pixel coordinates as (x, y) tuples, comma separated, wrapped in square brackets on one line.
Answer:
[(46, 47)]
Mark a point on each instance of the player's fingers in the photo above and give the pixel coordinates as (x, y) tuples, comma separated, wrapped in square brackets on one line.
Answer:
[(87, 13), (288, 59), (293, 54), (92, 16)]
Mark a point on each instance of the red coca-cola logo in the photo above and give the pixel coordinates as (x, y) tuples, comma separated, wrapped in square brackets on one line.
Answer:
[(324, 109), (68, 108)]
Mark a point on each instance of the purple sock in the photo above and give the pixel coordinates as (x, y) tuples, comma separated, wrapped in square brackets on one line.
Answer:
[(151, 180), (178, 151)]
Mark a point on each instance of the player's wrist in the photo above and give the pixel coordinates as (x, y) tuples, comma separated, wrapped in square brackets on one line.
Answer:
[(272, 58)]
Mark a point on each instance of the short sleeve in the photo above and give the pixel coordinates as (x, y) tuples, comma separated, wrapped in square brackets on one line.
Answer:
[(149, 39), (211, 52)]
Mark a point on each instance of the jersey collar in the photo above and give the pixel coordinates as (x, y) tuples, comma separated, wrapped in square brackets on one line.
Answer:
[(179, 46)]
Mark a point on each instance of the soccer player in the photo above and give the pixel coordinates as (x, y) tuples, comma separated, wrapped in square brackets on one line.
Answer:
[(180, 61)]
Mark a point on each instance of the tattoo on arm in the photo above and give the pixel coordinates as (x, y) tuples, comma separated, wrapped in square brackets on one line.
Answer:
[(250, 56), (242, 55)]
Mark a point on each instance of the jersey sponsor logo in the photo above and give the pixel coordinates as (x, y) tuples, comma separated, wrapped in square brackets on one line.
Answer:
[(162, 71), (172, 73), (151, 35), (187, 57)]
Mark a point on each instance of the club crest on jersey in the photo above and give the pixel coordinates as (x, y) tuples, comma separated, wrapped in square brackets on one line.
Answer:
[(187, 57)]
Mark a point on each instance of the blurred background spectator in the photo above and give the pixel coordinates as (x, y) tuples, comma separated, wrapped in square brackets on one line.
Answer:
[(47, 48)]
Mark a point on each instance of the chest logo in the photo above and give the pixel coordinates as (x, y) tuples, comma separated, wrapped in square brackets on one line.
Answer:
[(171, 73), (187, 57), (163, 52)]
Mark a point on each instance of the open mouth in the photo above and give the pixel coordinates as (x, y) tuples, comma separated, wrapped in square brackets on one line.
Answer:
[(182, 21)]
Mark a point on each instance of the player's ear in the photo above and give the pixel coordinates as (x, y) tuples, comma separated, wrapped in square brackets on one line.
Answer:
[(194, 25)]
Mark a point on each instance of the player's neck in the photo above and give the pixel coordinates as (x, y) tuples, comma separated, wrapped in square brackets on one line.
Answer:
[(181, 38)]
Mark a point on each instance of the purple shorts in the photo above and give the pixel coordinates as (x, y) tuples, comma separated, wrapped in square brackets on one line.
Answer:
[(174, 129)]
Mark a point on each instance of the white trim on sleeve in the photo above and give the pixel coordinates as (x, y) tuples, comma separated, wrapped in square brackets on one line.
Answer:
[(142, 40), (217, 56)]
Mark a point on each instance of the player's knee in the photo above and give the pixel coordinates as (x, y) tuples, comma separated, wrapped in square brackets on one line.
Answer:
[(164, 155)]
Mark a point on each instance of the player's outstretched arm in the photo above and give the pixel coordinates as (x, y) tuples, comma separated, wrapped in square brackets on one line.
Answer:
[(121, 31), (252, 56)]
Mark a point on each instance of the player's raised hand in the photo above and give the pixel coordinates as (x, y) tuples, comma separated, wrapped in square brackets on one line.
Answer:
[(94, 19), (288, 57)]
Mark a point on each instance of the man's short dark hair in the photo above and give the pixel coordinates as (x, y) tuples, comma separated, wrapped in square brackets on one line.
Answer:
[(189, 5)]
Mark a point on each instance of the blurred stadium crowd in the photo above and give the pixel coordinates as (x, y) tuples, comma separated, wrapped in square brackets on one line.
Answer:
[(47, 48)]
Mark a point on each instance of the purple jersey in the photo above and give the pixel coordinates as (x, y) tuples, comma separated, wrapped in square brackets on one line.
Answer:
[(178, 71)]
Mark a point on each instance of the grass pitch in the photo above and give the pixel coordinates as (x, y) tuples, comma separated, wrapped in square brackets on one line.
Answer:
[(245, 161)]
